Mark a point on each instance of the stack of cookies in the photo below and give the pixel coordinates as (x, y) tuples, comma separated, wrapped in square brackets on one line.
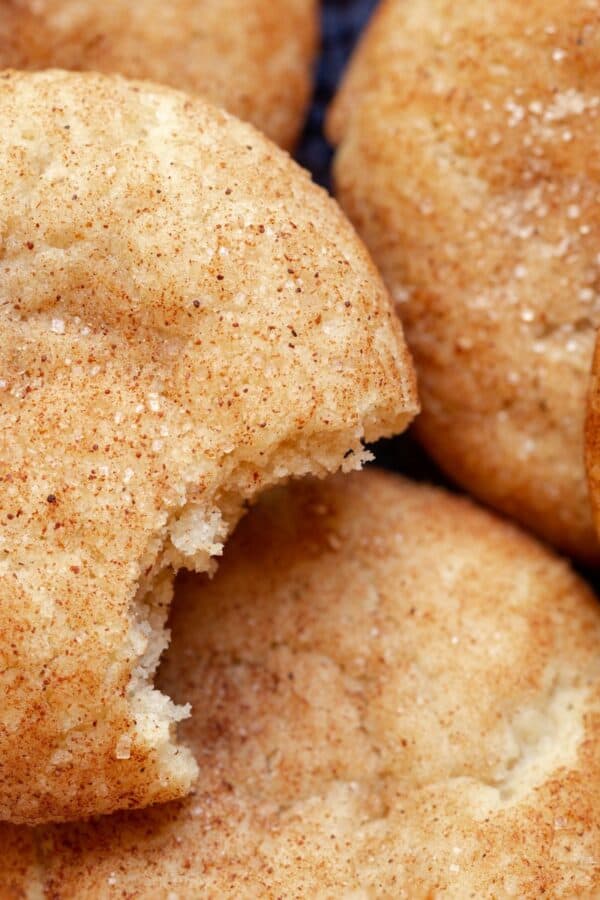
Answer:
[(232, 664)]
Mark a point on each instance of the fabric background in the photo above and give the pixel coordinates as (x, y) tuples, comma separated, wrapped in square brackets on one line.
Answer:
[(342, 23)]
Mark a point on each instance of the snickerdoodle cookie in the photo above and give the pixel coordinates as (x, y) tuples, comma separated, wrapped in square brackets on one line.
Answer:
[(394, 695), (186, 319), (469, 160)]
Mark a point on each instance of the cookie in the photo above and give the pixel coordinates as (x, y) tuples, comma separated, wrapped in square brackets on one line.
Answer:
[(394, 694), (592, 437), (468, 156), (186, 320), (253, 57)]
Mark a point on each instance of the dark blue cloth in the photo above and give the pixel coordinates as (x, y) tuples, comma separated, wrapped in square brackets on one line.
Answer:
[(342, 21)]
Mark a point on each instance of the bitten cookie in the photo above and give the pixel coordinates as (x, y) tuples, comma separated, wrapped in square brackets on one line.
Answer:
[(254, 57), (469, 160), (394, 695), (186, 318)]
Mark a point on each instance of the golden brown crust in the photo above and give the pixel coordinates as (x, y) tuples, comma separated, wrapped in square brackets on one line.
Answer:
[(186, 318), (592, 436), (21, 870), (254, 57), (468, 159), (395, 695)]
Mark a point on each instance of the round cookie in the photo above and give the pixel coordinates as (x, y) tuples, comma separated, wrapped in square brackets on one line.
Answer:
[(254, 57), (469, 148), (186, 319), (394, 695)]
